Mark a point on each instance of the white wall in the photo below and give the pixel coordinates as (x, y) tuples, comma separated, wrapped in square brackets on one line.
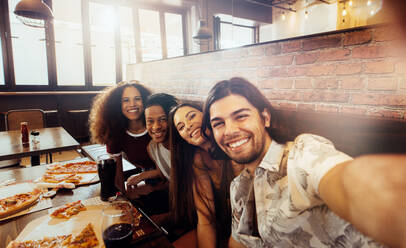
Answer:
[(321, 18)]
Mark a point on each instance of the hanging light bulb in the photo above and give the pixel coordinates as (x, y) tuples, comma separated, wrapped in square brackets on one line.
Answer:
[(344, 13), (369, 3), (350, 3), (283, 16), (306, 14), (372, 12)]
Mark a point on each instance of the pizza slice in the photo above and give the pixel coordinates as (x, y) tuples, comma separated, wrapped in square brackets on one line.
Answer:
[(85, 239), (47, 242), (74, 179), (68, 210), (55, 178), (77, 167), (18, 202)]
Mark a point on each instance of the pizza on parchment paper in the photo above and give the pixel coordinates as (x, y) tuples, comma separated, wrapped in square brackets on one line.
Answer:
[(47, 242), (15, 203), (85, 239)]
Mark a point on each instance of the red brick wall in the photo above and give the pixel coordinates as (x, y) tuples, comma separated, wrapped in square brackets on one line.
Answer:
[(352, 72)]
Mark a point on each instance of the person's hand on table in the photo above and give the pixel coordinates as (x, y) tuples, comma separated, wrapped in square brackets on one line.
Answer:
[(134, 192), (135, 179)]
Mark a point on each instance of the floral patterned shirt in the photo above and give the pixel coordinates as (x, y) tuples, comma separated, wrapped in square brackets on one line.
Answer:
[(280, 206)]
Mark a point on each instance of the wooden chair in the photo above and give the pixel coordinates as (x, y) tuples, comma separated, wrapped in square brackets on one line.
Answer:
[(34, 117)]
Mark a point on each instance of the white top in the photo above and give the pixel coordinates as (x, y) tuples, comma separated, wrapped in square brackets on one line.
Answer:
[(161, 157), (137, 134), (281, 207)]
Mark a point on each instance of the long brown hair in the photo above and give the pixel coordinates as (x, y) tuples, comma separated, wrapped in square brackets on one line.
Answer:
[(240, 86), (106, 120), (182, 175), (183, 178)]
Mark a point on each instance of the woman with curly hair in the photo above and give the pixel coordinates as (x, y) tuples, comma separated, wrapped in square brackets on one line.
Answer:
[(199, 183), (117, 119)]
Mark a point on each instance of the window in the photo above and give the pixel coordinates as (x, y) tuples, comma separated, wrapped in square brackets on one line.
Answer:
[(68, 42), (235, 32), (174, 34), (102, 19), (128, 55), (29, 51), (150, 35), (88, 45)]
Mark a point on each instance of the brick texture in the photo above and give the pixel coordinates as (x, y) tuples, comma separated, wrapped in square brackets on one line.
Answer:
[(325, 83), (292, 46), (357, 37), (369, 52), (278, 60), (306, 107), (273, 49), (306, 84), (357, 72), (379, 67), (321, 42), (306, 58), (339, 54), (386, 113), (352, 83), (327, 108), (322, 96), (382, 84), (348, 69)]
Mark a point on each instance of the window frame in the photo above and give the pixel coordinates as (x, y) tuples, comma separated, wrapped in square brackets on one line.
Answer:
[(217, 33), (5, 44), (7, 51)]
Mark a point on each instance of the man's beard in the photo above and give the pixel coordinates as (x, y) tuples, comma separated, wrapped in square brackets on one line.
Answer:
[(248, 159), (251, 157)]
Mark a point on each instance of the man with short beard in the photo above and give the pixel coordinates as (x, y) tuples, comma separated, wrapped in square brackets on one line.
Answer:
[(303, 193)]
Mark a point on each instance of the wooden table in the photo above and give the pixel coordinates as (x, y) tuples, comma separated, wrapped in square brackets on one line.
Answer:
[(9, 229), (96, 150), (52, 139)]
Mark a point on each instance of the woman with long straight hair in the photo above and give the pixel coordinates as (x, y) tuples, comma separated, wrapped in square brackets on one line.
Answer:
[(199, 183)]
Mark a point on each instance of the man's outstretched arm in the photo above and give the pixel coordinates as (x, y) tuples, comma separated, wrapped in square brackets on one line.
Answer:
[(370, 193)]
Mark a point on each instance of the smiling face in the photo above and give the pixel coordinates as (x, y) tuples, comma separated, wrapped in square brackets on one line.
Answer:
[(239, 129), (156, 122), (188, 122), (131, 104)]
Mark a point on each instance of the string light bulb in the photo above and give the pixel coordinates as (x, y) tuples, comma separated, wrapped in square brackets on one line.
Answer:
[(350, 3), (344, 13), (369, 3), (306, 14), (283, 16)]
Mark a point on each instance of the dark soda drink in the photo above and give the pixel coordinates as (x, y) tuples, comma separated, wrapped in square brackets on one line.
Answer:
[(118, 235), (106, 168)]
